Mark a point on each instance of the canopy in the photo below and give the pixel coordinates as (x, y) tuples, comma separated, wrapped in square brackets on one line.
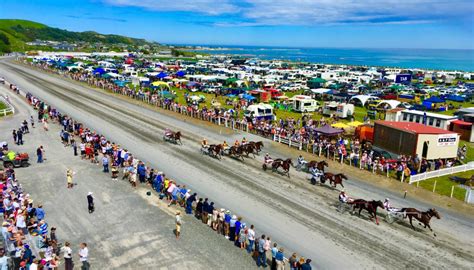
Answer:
[(364, 98), (318, 80), (158, 83), (328, 130), (340, 125), (392, 104), (434, 99), (461, 123), (355, 124), (99, 71), (181, 73), (248, 97), (320, 90), (162, 75)]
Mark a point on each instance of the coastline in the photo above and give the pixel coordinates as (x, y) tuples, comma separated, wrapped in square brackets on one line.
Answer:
[(441, 60)]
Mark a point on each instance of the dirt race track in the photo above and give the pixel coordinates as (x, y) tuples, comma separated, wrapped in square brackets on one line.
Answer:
[(294, 213)]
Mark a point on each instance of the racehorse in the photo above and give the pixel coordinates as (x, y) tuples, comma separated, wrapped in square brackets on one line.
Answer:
[(236, 151), (248, 149), (370, 206), (284, 164), (216, 150), (174, 136), (257, 145), (423, 217), (319, 165), (334, 179)]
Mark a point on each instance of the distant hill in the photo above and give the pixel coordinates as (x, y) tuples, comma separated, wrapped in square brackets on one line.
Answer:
[(15, 33)]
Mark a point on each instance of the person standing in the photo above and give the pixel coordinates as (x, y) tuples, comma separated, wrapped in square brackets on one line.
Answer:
[(15, 136), (66, 249), (32, 120), (178, 224), (39, 153), (83, 256), (262, 258), (274, 253), (105, 163), (90, 202), (3, 260), (251, 238), (69, 174), (74, 146), (19, 135), (280, 260)]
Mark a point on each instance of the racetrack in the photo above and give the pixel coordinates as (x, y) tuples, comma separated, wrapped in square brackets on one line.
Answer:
[(294, 213)]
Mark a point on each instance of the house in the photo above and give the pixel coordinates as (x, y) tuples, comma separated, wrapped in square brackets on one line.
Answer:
[(427, 118)]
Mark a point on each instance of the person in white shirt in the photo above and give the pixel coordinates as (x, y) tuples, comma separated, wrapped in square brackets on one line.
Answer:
[(83, 256), (67, 251)]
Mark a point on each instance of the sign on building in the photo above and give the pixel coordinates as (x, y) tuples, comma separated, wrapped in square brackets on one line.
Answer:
[(447, 139), (403, 78)]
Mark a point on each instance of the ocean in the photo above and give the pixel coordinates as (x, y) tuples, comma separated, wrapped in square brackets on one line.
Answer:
[(461, 60)]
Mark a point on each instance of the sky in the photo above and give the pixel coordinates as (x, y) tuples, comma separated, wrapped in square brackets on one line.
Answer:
[(431, 24)]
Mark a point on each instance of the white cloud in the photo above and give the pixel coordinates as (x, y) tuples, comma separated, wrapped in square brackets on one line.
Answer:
[(210, 7), (314, 12)]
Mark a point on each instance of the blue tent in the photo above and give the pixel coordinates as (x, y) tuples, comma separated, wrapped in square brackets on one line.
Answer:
[(434, 99), (162, 75), (248, 97), (99, 71), (181, 73)]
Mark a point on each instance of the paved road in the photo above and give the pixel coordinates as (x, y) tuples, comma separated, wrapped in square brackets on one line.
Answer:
[(128, 230), (301, 216)]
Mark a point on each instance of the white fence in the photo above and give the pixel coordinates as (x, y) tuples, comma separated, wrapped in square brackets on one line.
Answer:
[(291, 143), (442, 172), (9, 109)]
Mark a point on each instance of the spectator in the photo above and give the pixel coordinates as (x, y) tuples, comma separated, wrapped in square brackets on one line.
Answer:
[(83, 256), (39, 153), (261, 259), (251, 239), (274, 253), (306, 265), (67, 251), (280, 259), (3, 260), (90, 203)]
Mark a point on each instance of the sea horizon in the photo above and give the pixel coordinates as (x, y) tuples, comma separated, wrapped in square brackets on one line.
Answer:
[(416, 58)]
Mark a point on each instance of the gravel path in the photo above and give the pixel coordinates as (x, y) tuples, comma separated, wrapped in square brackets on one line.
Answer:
[(291, 211)]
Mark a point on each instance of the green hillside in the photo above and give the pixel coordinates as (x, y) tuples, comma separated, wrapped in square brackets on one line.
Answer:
[(15, 33)]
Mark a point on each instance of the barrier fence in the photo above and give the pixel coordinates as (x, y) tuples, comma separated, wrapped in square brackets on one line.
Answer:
[(441, 172), (9, 110)]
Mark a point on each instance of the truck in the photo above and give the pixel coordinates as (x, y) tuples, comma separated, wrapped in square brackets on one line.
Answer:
[(302, 103)]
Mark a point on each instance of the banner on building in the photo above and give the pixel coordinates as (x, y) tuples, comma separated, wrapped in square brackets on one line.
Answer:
[(447, 139), (403, 78)]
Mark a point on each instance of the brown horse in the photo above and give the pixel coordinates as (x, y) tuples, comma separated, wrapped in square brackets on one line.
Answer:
[(284, 164), (248, 149), (370, 206), (257, 145), (173, 136), (423, 217), (337, 180), (319, 165), (236, 151), (215, 150)]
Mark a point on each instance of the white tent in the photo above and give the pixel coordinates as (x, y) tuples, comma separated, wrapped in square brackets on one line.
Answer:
[(392, 104), (320, 90), (363, 98)]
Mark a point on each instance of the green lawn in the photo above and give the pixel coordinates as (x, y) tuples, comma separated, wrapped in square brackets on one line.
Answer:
[(2, 106), (444, 185), (470, 150)]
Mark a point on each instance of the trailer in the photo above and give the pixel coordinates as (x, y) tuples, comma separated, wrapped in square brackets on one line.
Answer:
[(302, 103), (341, 110)]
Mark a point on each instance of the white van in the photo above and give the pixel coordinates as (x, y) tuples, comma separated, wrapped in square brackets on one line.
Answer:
[(302, 103)]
